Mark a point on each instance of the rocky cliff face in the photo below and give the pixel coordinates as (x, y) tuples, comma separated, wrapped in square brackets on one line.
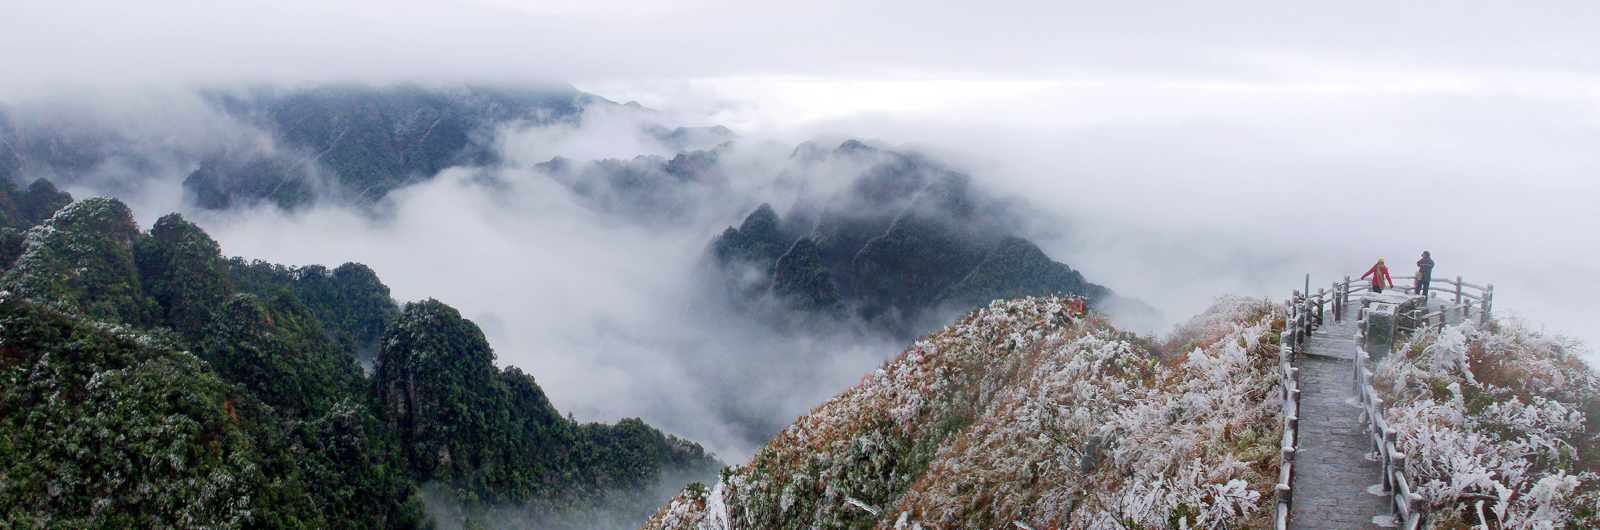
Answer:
[(492, 437), (435, 385)]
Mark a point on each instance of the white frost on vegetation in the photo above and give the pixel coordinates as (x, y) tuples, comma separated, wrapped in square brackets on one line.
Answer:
[(1025, 416), (1492, 423)]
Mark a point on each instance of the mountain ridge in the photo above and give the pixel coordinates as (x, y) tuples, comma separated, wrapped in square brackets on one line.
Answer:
[(906, 245), (189, 373), (1027, 414)]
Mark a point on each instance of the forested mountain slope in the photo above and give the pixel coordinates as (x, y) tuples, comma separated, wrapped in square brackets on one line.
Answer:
[(357, 143), (147, 381), (906, 246)]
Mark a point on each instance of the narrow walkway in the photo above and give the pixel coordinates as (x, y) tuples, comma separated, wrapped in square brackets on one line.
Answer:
[(1335, 340), (1332, 472)]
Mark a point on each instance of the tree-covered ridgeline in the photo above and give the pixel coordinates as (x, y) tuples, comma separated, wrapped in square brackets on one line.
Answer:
[(492, 433), (357, 143), (148, 381), (182, 269), (350, 301), (906, 245)]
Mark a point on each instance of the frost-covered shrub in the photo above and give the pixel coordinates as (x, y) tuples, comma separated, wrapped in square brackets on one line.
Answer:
[(1020, 416), (1495, 425)]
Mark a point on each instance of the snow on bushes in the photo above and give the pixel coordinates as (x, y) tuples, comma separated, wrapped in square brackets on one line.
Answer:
[(1493, 424), (1021, 416)]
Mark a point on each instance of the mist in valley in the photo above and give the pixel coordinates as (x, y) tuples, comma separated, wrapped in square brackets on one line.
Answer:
[(604, 299), (609, 297), (1171, 155)]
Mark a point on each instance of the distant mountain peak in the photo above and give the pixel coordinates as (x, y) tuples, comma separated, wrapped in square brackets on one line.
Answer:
[(853, 145), (904, 245)]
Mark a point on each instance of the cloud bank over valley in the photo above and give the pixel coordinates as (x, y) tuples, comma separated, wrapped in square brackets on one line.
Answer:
[(1172, 154)]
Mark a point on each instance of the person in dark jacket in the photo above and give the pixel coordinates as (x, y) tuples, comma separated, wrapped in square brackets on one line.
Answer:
[(1424, 274), (1380, 276)]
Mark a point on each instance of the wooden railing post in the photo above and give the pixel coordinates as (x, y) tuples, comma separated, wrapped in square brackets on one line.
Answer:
[(1338, 309), (1293, 323), (1305, 318), (1304, 321), (1346, 300), (1390, 437), (1458, 290), (1488, 302), (1321, 299)]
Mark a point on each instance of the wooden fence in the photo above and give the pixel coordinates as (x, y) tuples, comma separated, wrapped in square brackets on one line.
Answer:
[(1395, 483), (1461, 298), (1302, 319)]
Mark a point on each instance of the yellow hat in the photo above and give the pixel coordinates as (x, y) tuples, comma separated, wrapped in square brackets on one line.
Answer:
[(1380, 260)]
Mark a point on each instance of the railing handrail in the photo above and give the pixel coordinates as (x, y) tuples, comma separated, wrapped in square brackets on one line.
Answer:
[(1483, 299)]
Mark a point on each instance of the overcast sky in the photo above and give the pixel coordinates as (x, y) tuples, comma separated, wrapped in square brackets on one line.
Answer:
[(1239, 43), (1191, 148)]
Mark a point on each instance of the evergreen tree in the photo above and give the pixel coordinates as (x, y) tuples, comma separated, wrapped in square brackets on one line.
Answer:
[(108, 429), (41, 201), (436, 390), (274, 347), (1014, 269), (181, 270), (804, 278), (351, 301), (81, 260), (493, 437), (757, 240), (22, 209), (900, 272), (12, 243), (343, 464)]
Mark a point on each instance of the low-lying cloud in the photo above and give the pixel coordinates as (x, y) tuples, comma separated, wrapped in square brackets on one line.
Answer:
[(612, 316), (607, 310), (1175, 190)]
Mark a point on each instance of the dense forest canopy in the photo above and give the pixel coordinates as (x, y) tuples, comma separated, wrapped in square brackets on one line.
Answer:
[(150, 381)]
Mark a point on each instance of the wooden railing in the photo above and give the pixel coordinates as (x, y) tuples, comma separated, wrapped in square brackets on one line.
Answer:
[(1395, 483), (1305, 314), (1462, 298)]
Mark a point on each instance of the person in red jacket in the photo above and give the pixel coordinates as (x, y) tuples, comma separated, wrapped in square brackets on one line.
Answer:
[(1380, 276)]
